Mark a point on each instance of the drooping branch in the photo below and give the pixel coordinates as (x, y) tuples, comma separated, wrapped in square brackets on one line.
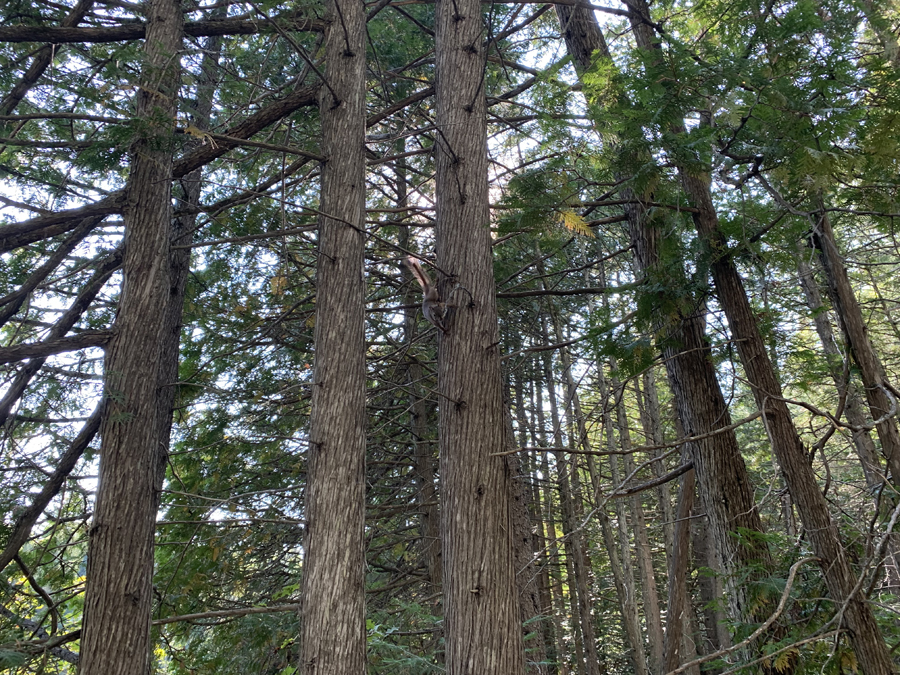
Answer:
[(25, 232)]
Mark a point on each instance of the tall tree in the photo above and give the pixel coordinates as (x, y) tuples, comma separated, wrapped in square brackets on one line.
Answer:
[(333, 637), (880, 394), (679, 324), (865, 634), (482, 628), (116, 630)]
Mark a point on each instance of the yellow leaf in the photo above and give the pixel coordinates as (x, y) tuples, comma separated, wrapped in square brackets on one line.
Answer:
[(278, 285), (786, 660), (572, 221), (196, 132)]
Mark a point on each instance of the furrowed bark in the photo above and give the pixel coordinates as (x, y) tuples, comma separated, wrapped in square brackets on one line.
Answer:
[(679, 325), (482, 628), (116, 628), (333, 629)]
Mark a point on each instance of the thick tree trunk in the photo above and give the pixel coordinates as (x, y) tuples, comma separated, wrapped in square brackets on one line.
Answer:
[(865, 635), (333, 635), (116, 631), (710, 587), (482, 628)]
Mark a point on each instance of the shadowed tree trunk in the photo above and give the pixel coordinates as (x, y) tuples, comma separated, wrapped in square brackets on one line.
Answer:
[(555, 580), (678, 565), (862, 441), (116, 629), (482, 628), (421, 411), (528, 575), (333, 632)]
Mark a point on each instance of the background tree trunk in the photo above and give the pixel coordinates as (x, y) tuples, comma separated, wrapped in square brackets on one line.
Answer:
[(722, 476), (881, 405)]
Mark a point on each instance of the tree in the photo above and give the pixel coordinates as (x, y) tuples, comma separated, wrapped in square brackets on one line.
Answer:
[(333, 616), (482, 628), (120, 557), (679, 325), (574, 273)]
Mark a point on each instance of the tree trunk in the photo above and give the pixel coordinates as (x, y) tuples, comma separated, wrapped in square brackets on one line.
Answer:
[(862, 441), (527, 578), (710, 587), (421, 412), (883, 408), (649, 593), (116, 629), (575, 547), (333, 635), (648, 403), (865, 635), (482, 628), (528, 582), (721, 473), (678, 566), (555, 580)]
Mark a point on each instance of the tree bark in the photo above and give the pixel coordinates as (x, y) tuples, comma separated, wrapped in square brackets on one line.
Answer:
[(649, 592), (575, 544), (710, 587), (862, 441), (620, 560), (721, 473), (678, 566), (482, 628), (421, 412), (555, 580), (333, 632), (528, 575), (651, 422), (865, 635), (116, 629), (882, 404)]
